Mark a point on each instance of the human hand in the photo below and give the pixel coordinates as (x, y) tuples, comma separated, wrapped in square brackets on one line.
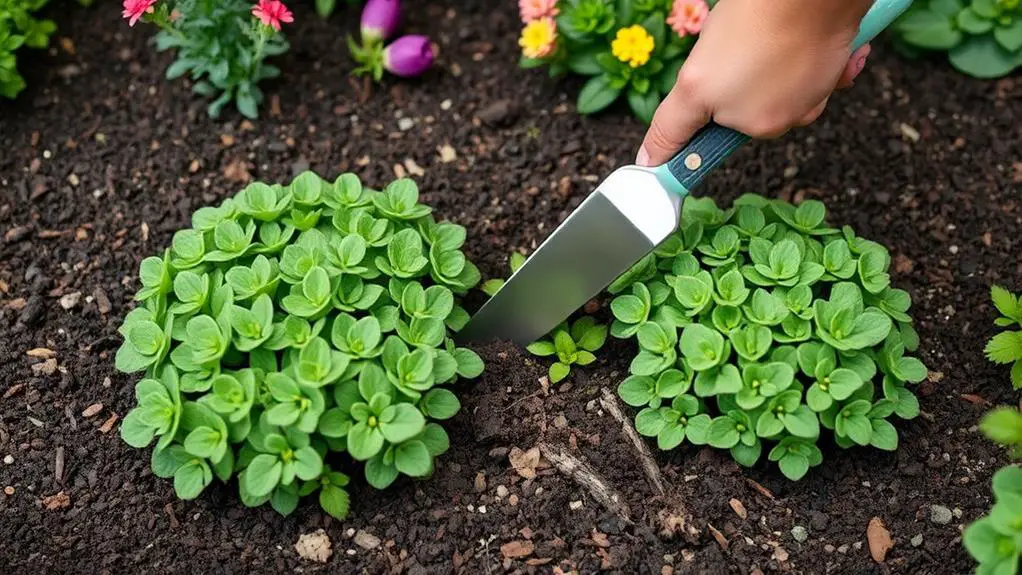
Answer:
[(761, 68)]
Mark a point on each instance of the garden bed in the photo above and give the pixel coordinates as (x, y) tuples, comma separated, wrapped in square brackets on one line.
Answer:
[(102, 160)]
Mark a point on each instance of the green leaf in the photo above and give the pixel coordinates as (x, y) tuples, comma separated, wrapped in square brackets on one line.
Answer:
[(558, 371), (983, 57), (637, 391), (379, 474), (335, 501), (971, 22), (1003, 425), (191, 479), (542, 348), (794, 466), (364, 441), (441, 404), (643, 105), (702, 347), (1010, 36), (1005, 347), (929, 30), (597, 94), (413, 459), (308, 464), (1006, 302), (401, 422), (650, 422), (723, 433), (884, 435), (263, 474)]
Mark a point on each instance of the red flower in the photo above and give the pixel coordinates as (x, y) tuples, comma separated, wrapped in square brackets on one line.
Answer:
[(272, 13), (134, 9)]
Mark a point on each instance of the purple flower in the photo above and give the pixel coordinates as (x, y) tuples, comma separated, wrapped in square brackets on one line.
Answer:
[(408, 56), (380, 19)]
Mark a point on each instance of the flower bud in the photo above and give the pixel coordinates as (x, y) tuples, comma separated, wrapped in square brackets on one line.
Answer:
[(380, 19), (408, 56)]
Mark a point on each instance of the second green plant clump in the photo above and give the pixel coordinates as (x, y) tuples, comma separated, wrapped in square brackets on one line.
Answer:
[(760, 329), (294, 329)]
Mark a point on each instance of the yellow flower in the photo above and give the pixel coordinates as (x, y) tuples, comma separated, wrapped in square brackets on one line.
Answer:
[(539, 38), (633, 45)]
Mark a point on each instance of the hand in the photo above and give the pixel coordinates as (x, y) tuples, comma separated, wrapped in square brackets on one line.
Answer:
[(759, 67)]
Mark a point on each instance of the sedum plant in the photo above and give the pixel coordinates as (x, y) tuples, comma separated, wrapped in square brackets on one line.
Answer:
[(571, 346), (760, 329), (221, 45), (19, 28), (995, 540), (629, 49), (1006, 347), (983, 38), (294, 331)]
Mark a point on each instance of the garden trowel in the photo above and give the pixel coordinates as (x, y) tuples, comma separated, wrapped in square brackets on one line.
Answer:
[(629, 214)]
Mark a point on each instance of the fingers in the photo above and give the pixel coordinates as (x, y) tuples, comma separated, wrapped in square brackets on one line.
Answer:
[(813, 114), (855, 66), (677, 119)]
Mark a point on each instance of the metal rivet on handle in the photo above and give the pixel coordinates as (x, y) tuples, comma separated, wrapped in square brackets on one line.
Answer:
[(693, 161)]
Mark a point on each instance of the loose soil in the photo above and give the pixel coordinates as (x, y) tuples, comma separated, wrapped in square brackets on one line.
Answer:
[(101, 160)]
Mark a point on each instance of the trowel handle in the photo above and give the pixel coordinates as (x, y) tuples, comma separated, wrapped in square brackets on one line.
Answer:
[(714, 143)]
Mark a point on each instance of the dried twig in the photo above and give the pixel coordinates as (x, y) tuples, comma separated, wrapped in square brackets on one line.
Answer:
[(609, 403), (584, 475)]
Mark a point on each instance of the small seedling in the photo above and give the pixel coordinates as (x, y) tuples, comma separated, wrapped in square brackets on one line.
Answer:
[(574, 346), (1006, 347), (19, 28)]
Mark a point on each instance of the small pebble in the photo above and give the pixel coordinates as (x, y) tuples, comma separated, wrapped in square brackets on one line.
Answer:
[(828, 548), (843, 549), (445, 105), (917, 540), (501, 491), (575, 505), (957, 513), (9, 490), (8, 459), (940, 515), (405, 124), (799, 533)]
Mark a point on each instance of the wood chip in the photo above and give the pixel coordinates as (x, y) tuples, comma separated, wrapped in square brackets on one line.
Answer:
[(721, 540), (58, 501), (739, 508), (41, 353), (975, 399), (108, 424), (480, 482), (517, 549), (760, 489), (92, 410), (58, 465), (314, 546), (169, 510), (13, 389), (524, 462), (47, 367), (366, 540), (600, 539), (879, 539)]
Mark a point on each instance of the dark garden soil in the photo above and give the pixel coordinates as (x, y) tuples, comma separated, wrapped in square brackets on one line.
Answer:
[(101, 160)]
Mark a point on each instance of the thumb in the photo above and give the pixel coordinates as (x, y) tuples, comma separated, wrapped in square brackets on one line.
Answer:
[(676, 120)]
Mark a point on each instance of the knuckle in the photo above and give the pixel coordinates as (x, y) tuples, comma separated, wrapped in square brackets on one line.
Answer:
[(658, 137)]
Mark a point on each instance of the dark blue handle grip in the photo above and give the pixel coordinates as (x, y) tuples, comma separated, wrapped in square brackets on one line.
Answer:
[(714, 143)]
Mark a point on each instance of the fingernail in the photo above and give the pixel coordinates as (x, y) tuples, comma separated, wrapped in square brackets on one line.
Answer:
[(860, 64), (642, 159)]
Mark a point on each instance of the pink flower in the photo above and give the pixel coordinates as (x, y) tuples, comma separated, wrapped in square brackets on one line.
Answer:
[(687, 16), (134, 9), (536, 9), (272, 13)]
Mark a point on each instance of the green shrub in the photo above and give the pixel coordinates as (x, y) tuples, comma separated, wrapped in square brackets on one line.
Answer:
[(760, 324), (983, 38), (18, 27), (293, 324)]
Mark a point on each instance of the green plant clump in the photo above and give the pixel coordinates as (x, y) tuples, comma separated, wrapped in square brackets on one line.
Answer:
[(995, 540), (18, 27), (294, 324), (1006, 347), (760, 326), (983, 38)]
